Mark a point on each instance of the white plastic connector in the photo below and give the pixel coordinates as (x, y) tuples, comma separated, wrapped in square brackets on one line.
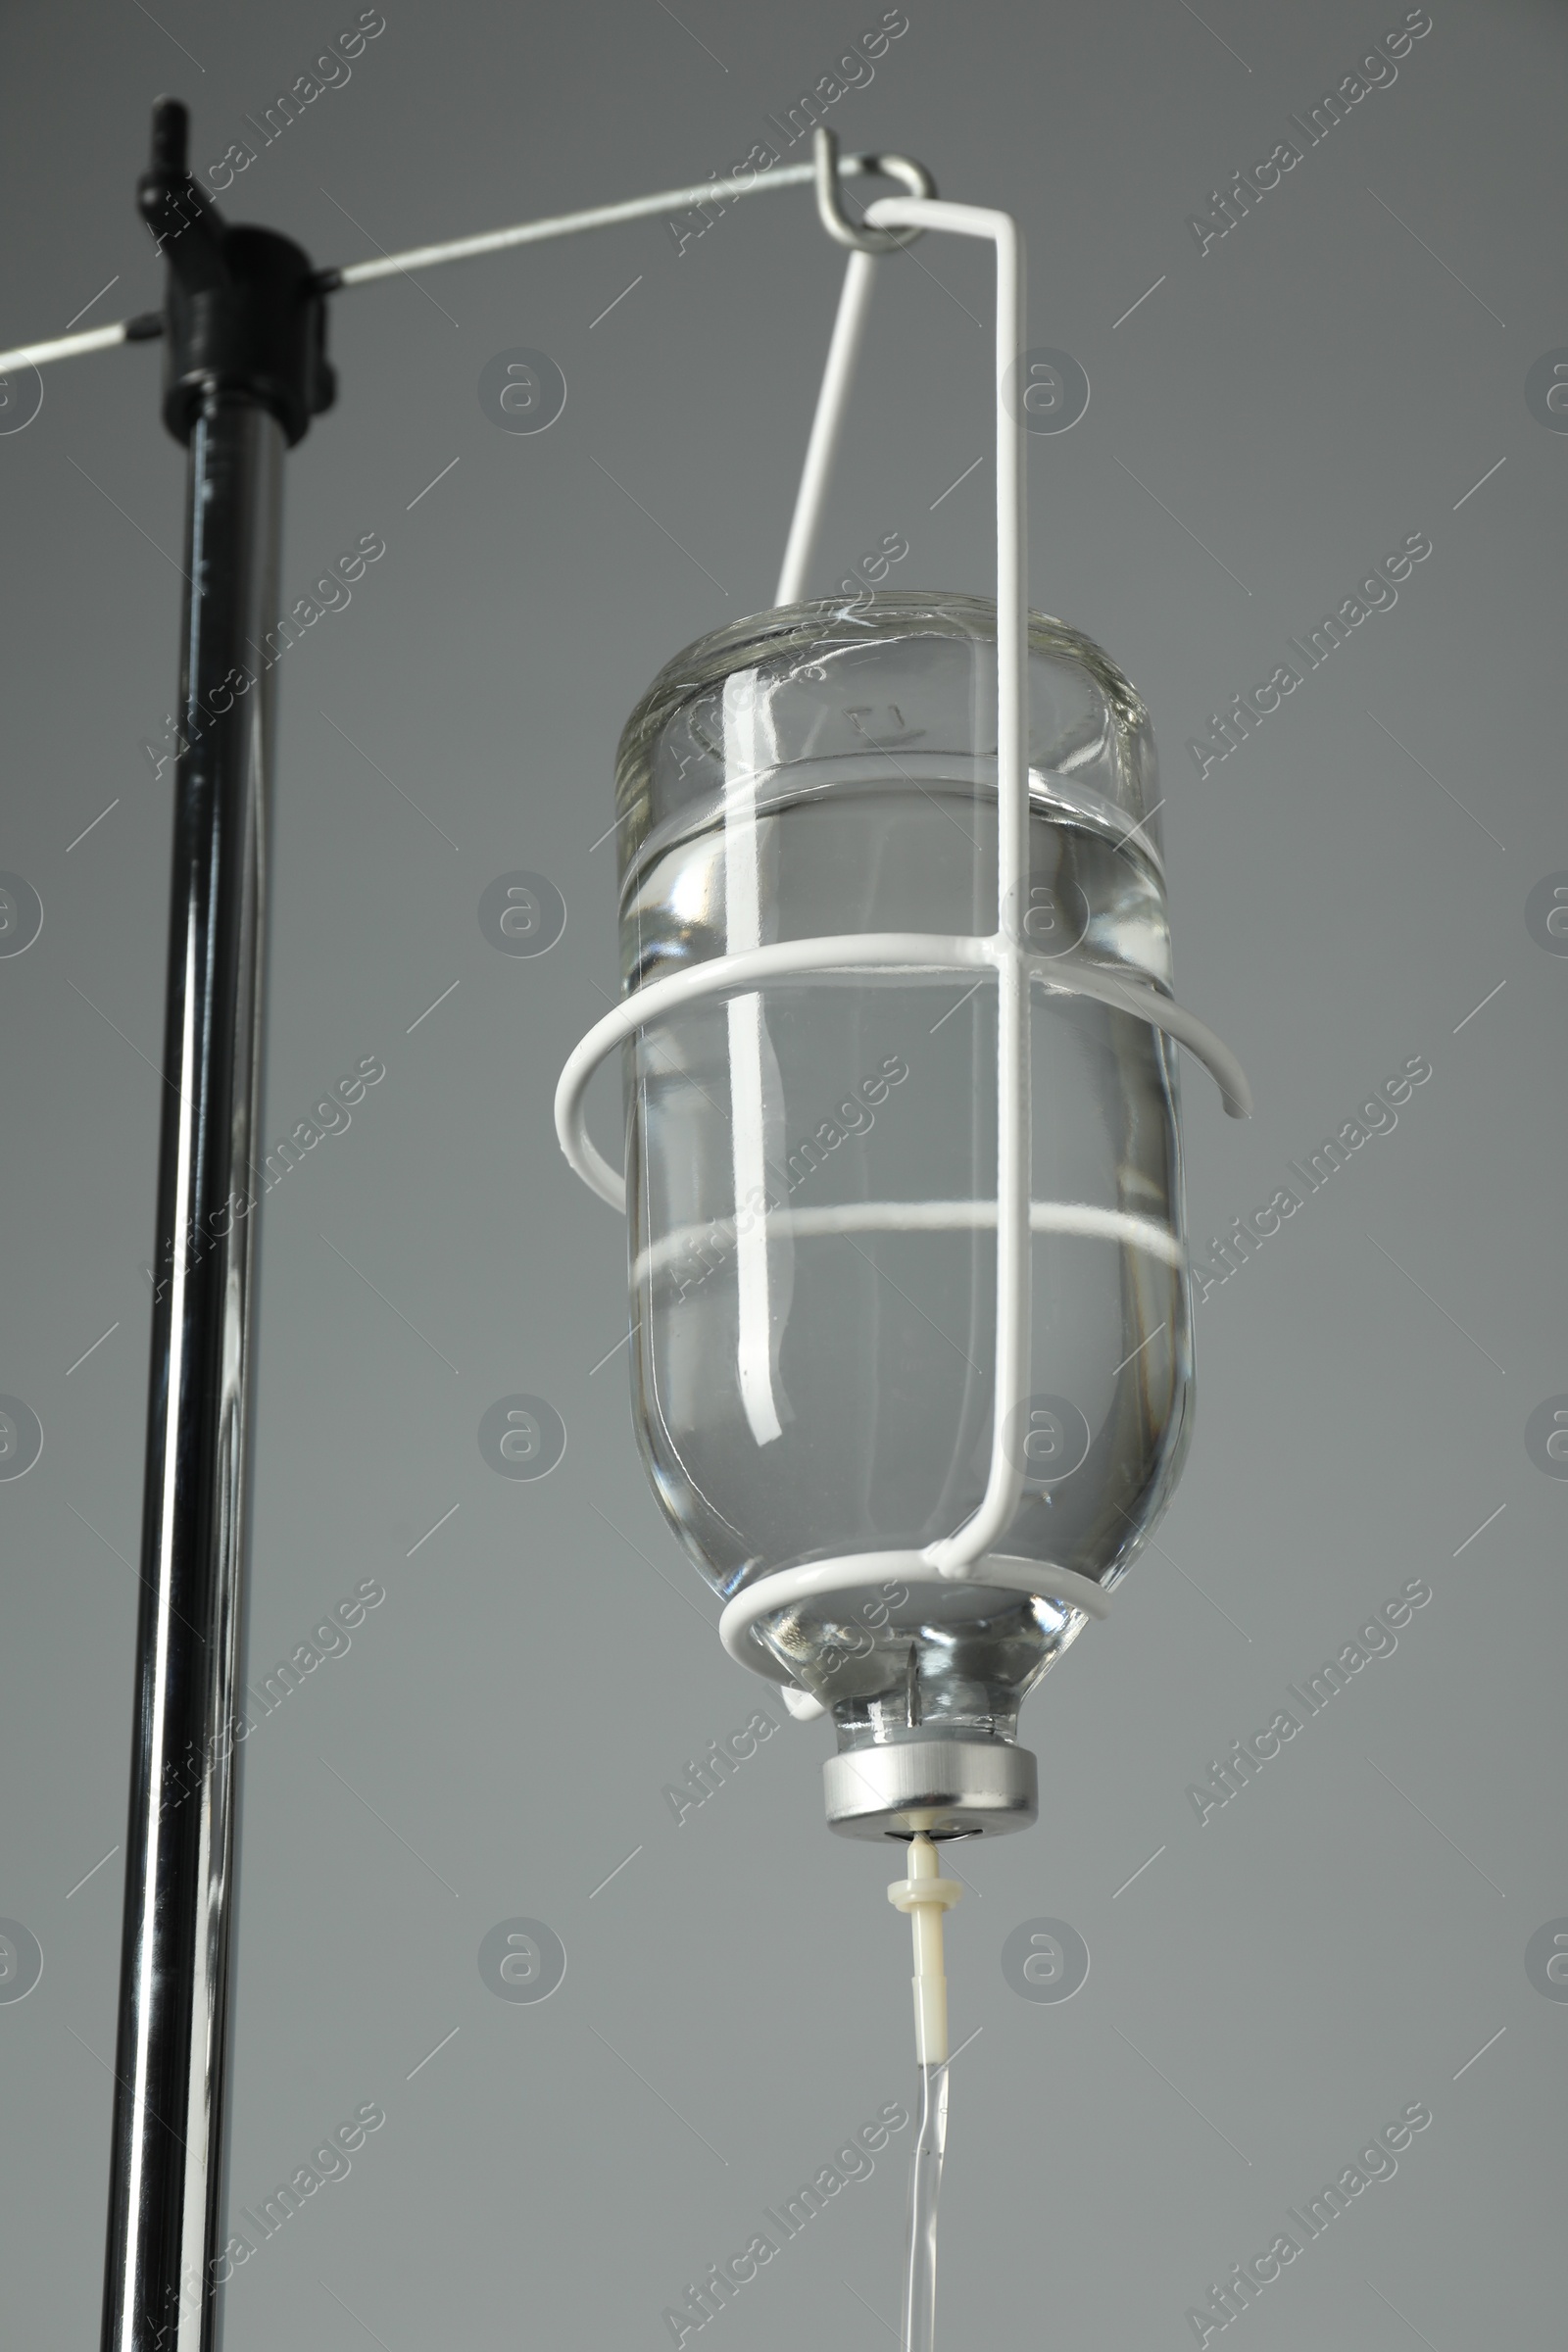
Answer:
[(926, 1897)]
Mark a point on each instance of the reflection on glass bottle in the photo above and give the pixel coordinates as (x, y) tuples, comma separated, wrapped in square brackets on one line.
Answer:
[(811, 1166)]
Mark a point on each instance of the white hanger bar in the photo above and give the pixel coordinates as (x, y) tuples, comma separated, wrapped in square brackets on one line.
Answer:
[(957, 1554), (72, 347), (866, 245), (611, 216), (149, 325), (826, 425)]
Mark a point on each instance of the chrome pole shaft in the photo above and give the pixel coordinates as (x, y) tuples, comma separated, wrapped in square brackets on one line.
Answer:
[(166, 2175)]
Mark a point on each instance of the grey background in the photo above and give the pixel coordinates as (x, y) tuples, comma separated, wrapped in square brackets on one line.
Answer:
[(1333, 1945)]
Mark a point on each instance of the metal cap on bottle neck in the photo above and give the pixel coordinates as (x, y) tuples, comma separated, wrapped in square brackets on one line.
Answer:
[(946, 1788)]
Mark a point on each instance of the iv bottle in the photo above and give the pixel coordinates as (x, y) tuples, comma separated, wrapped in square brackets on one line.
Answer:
[(811, 1166)]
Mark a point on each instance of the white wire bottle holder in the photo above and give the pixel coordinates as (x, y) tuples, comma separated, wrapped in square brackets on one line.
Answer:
[(1003, 954), (889, 225)]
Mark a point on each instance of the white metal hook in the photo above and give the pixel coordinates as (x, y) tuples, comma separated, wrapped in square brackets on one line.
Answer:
[(830, 203)]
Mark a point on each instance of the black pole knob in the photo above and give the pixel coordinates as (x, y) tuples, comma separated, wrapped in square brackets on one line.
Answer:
[(243, 309)]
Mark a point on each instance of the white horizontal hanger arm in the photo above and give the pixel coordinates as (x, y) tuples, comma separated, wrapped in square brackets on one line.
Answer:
[(667, 201)]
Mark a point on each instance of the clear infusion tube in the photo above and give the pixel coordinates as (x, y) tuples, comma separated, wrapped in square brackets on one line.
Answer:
[(926, 1896), (925, 2187)]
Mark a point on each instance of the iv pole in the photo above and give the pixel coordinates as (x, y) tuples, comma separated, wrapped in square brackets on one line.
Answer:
[(244, 331), (244, 372)]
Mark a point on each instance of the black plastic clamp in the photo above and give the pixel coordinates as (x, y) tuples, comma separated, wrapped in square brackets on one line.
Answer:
[(243, 310)]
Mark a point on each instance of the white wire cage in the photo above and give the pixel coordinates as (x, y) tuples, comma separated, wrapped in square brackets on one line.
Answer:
[(1005, 956)]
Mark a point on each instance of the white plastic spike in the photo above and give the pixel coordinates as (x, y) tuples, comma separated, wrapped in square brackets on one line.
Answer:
[(926, 1896)]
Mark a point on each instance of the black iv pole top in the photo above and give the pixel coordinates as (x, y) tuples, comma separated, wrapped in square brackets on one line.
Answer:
[(244, 309)]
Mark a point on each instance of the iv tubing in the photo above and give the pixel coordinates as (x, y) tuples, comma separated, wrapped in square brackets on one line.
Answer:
[(920, 2328), (926, 1896)]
